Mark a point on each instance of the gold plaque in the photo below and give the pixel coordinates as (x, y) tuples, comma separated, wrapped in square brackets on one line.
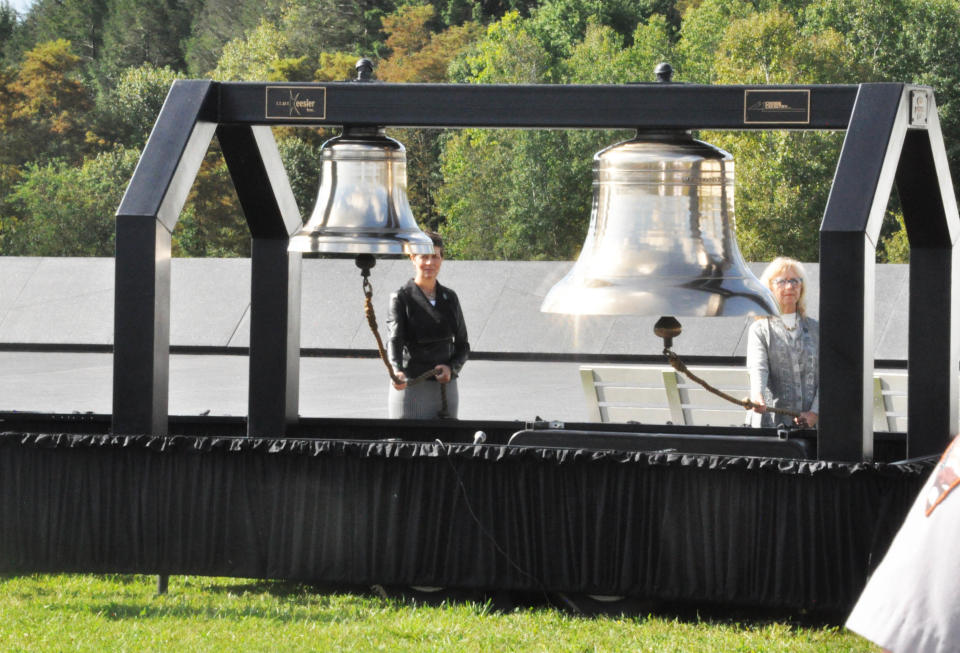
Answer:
[(776, 107), (296, 103)]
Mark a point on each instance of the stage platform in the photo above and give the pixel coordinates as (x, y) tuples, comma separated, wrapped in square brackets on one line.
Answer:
[(381, 502)]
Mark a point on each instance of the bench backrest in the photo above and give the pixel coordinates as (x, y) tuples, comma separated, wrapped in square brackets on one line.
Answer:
[(655, 394), (652, 394), (890, 401)]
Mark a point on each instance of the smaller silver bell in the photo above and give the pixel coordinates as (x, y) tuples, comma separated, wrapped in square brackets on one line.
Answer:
[(362, 205)]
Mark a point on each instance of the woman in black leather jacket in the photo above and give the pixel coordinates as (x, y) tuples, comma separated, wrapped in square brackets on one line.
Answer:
[(426, 332)]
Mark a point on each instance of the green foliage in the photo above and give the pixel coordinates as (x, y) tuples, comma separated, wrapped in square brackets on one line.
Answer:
[(301, 160), (82, 22), (314, 26), (475, 162), (703, 27), (212, 222), (63, 210), (457, 12), (601, 57), (152, 32), (518, 195), (9, 21), (253, 57), (548, 165), (652, 43), (783, 180), (216, 23), (905, 40), (126, 113), (510, 194), (561, 24), (43, 106), (509, 53), (894, 244), (416, 53), (478, 165), (335, 67)]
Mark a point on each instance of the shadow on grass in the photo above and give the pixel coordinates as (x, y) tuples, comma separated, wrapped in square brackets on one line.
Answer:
[(275, 588), (591, 606), (756, 615), (296, 601), (306, 601), (121, 611)]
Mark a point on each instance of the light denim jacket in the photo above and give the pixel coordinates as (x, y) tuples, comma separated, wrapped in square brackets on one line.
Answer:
[(785, 371)]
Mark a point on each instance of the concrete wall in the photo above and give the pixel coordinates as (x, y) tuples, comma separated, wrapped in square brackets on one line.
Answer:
[(70, 301)]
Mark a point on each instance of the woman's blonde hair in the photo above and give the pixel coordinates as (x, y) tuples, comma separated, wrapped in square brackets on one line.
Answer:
[(776, 268)]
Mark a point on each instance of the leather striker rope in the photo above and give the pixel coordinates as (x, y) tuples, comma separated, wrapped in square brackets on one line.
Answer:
[(679, 366)]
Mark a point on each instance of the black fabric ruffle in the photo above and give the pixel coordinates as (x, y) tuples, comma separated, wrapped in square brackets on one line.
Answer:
[(665, 526)]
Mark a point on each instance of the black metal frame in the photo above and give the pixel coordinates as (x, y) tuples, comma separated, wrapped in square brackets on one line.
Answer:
[(887, 142)]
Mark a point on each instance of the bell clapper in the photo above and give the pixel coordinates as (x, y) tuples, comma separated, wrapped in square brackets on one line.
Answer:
[(365, 262), (668, 328)]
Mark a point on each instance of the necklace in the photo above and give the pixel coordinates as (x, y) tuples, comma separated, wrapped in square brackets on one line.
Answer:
[(796, 322)]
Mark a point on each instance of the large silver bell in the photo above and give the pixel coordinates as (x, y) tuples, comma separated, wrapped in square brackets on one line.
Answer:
[(661, 239), (362, 205)]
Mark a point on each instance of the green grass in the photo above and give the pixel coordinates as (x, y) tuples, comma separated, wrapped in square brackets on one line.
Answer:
[(123, 613)]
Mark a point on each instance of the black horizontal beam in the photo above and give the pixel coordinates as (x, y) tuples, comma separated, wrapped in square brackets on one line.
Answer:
[(504, 356), (652, 105)]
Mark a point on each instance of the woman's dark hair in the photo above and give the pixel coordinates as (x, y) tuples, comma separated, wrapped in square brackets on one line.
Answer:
[(437, 241)]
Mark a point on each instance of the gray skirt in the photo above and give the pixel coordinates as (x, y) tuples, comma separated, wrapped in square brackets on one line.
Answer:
[(422, 401)]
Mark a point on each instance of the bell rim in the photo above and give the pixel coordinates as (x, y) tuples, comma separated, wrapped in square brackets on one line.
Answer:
[(356, 242), (730, 296)]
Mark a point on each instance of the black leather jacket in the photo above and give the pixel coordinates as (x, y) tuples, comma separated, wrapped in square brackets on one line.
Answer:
[(422, 336)]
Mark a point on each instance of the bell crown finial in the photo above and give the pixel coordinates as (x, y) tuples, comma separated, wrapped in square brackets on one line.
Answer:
[(663, 71)]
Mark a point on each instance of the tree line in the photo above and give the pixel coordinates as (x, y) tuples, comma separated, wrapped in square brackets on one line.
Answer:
[(81, 82)]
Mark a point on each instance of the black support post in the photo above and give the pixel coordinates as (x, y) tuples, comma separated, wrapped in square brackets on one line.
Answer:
[(272, 215), (930, 216), (146, 217), (274, 384), (933, 361), (846, 347), (141, 326), (848, 237)]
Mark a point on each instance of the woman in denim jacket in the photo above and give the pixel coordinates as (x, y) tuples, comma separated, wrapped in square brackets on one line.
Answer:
[(783, 350)]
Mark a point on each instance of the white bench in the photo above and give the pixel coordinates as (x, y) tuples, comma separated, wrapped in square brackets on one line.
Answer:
[(657, 394), (652, 394), (890, 400)]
